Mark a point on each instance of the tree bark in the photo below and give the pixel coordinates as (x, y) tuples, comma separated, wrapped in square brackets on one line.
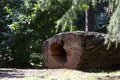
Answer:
[(90, 18), (79, 50)]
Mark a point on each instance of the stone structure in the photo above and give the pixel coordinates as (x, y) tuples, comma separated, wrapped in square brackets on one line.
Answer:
[(79, 50)]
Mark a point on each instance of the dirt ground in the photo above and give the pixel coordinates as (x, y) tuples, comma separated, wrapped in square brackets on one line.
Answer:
[(55, 74)]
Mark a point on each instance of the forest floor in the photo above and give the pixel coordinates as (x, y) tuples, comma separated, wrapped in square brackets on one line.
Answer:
[(56, 74)]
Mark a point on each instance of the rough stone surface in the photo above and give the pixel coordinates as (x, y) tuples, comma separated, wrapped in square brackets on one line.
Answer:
[(79, 50)]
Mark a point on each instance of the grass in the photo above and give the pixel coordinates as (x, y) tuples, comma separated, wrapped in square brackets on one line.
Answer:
[(62, 74)]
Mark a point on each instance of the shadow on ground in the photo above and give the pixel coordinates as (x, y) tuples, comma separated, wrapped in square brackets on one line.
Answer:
[(11, 74), (99, 70), (104, 70), (109, 78)]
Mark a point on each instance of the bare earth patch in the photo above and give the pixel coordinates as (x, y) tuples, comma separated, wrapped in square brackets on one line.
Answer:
[(55, 74)]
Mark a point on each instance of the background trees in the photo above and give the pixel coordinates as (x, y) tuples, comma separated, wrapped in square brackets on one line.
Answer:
[(25, 24), (28, 25)]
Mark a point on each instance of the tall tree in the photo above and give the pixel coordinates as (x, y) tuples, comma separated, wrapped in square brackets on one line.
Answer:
[(90, 18), (78, 5)]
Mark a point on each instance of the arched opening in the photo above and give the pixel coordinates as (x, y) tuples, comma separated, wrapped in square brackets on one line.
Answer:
[(58, 52)]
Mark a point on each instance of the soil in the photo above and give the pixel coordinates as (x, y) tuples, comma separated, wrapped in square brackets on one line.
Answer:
[(54, 74)]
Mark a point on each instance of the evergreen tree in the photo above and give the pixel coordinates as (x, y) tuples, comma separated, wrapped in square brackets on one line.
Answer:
[(113, 28)]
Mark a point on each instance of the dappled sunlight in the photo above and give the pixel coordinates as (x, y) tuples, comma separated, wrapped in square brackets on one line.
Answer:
[(56, 74)]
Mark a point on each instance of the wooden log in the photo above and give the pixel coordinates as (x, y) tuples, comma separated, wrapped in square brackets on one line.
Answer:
[(79, 50)]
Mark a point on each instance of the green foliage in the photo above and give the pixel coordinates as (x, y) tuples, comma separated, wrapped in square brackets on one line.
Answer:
[(114, 27), (18, 42), (85, 6), (25, 24), (67, 19), (8, 10), (29, 25), (102, 16)]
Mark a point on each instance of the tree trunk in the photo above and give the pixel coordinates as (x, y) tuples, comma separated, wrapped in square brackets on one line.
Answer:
[(90, 18), (79, 50)]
